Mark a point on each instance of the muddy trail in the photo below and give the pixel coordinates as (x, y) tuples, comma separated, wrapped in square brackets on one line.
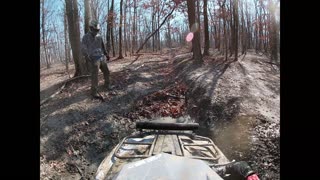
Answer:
[(236, 104)]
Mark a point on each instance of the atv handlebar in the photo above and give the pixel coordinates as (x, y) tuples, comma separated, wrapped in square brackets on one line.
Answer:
[(167, 126)]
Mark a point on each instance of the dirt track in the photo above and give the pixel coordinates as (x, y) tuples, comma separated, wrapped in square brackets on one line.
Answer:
[(237, 104)]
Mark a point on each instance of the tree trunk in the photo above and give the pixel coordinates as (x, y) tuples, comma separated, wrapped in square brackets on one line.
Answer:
[(236, 27), (256, 27), (206, 29), (146, 31), (153, 27), (274, 34), (93, 9), (130, 33), (87, 15), (243, 31), (225, 34), (219, 35), (196, 40), (57, 47), (158, 26), (168, 35), (44, 43), (198, 21), (249, 27), (213, 29), (264, 29), (66, 41), (134, 36), (109, 22), (125, 29), (120, 33), (111, 28), (260, 29), (232, 27), (74, 36), (138, 28), (87, 18), (116, 44), (222, 6)]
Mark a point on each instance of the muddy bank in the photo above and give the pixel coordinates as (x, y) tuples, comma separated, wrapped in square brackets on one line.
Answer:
[(237, 105)]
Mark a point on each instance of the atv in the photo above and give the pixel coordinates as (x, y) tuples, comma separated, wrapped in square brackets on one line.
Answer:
[(161, 150)]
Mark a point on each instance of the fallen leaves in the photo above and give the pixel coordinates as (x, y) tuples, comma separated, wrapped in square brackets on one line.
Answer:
[(167, 102)]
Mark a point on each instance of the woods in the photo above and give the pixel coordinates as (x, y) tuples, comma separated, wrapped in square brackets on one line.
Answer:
[(213, 62), (129, 27)]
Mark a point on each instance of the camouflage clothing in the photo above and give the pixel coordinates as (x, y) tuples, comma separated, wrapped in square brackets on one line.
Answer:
[(95, 66), (92, 48)]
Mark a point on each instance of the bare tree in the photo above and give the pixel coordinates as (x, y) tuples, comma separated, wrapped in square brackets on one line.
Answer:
[(112, 27), (274, 32), (243, 30), (97, 7), (168, 34), (159, 13), (130, 33), (125, 28), (260, 27), (87, 15), (249, 28), (236, 27), (224, 15), (44, 42), (256, 26), (196, 40), (157, 30), (57, 39), (230, 26), (153, 23), (134, 33), (120, 32), (220, 48), (198, 20), (66, 48), (74, 36), (109, 22), (206, 29)]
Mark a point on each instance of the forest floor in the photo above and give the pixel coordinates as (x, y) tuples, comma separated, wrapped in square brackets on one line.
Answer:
[(237, 104)]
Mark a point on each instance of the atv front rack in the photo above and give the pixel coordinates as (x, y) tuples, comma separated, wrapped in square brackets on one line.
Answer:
[(160, 130)]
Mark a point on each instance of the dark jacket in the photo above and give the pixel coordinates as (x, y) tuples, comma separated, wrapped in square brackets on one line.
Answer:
[(93, 46)]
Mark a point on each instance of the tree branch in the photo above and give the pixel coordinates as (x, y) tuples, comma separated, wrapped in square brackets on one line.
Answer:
[(145, 41)]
